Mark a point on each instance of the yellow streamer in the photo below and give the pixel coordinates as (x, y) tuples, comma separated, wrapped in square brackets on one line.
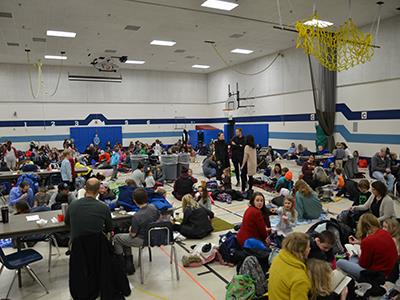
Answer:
[(337, 50)]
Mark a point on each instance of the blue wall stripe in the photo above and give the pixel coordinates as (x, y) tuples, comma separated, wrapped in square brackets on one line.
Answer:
[(366, 137), (36, 138), (393, 114), (135, 135), (307, 136)]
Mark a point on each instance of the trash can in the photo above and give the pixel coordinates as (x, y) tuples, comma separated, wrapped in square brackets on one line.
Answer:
[(183, 162), (170, 165), (136, 158)]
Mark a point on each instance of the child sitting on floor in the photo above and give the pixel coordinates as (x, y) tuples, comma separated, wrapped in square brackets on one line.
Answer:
[(287, 217), (149, 179), (226, 183), (285, 181), (202, 196)]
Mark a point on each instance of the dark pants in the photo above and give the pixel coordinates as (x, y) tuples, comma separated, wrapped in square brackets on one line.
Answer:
[(244, 179), (236, 165)]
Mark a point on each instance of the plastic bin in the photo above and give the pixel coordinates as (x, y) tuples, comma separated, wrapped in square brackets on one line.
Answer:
[(183, 162), (170, 165), (136, 158)]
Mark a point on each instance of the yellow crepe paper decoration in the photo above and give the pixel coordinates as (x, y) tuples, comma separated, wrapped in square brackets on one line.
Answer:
[(336, 49)]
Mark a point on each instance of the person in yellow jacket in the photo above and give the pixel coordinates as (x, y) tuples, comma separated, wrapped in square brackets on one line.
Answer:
[(288, 277)]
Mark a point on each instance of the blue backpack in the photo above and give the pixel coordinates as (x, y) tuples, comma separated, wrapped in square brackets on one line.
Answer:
[(31, 179), (228, 245)]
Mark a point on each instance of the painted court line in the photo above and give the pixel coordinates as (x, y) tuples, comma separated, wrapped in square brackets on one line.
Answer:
[(150, 293), (211, 296)]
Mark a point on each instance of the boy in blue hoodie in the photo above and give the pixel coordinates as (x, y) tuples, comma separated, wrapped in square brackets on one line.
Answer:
[(114, 161)]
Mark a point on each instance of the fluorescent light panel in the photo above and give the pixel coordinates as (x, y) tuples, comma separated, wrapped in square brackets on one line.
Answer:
[(218, 4), (318, 23), (61, 33), (55, 57), (135, 62), (163, 43), (200, 66), (242, 51)]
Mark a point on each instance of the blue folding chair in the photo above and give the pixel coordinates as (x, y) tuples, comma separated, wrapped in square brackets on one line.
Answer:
[(21, 260)]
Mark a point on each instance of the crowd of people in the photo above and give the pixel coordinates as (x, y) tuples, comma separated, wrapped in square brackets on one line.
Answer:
[(303, 264)]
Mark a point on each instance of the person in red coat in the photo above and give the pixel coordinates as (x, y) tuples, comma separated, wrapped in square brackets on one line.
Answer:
[(378, 250), (255, 222)]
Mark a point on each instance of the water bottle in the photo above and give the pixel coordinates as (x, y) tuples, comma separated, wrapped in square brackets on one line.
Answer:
[(64, 208)]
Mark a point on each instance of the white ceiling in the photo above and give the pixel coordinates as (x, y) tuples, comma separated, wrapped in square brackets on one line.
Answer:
[(100, 25)]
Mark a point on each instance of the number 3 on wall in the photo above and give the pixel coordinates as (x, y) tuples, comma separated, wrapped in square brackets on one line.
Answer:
[(76, 123)]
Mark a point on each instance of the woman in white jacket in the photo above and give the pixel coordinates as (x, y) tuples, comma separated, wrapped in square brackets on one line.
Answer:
[(379, 203)]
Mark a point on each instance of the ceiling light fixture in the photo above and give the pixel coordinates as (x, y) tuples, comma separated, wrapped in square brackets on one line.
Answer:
[(200, 66), (241, 51), (61, 33), (218, 4), (135, 62), (163, 43), (59, 57), (318, 23)]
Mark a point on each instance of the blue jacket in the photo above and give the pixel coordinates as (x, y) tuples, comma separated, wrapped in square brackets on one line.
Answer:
[(15, 195), (114, 161), (66, 171)]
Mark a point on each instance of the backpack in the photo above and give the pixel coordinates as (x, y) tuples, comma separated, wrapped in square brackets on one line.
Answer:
[(31, 179), (362, 163), (212, 185), (224, 197), (228, 245), (252, 268), (340, 230), (241, 287)]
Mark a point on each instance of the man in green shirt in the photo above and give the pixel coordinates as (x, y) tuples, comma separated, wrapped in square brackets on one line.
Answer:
[(87, 215)]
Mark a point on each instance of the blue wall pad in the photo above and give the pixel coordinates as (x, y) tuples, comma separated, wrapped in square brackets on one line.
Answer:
[(259, 131), (84, 136)]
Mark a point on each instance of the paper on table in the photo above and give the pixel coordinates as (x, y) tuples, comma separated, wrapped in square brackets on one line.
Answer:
[(32, 218)]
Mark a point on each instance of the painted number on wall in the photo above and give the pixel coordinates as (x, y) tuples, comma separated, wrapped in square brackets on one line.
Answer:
[(126, 122), (76, 123), (25, 124), (53, 123), (312, 117), (364, 115)]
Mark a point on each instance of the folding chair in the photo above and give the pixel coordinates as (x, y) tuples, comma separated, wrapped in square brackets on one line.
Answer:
[(158, 234)]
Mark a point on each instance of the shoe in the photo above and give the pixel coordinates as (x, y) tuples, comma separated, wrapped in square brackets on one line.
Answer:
[(68, 253), (129, 266)]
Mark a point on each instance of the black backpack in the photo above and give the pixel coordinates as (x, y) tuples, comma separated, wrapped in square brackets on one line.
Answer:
[(341, 231)]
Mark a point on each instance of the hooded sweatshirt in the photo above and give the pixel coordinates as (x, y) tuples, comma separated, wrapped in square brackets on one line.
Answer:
[(288, 278)]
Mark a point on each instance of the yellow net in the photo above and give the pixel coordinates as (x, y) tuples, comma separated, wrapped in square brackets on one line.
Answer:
[(336, 49)]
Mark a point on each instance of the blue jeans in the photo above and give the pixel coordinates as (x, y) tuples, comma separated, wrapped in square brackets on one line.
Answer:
[(388, 180), (350, 267)]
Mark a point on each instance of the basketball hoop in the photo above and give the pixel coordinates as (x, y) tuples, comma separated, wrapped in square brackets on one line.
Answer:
[(228, 112)]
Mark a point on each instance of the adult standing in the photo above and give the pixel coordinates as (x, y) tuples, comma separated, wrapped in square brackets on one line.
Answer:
[(249, 164), (10, 156), (237, 145), (380, 169), (288, 278), (221, 154), (66, 170)]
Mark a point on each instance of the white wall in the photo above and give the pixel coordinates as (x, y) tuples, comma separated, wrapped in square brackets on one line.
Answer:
[(286, 89), (141, 95)]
